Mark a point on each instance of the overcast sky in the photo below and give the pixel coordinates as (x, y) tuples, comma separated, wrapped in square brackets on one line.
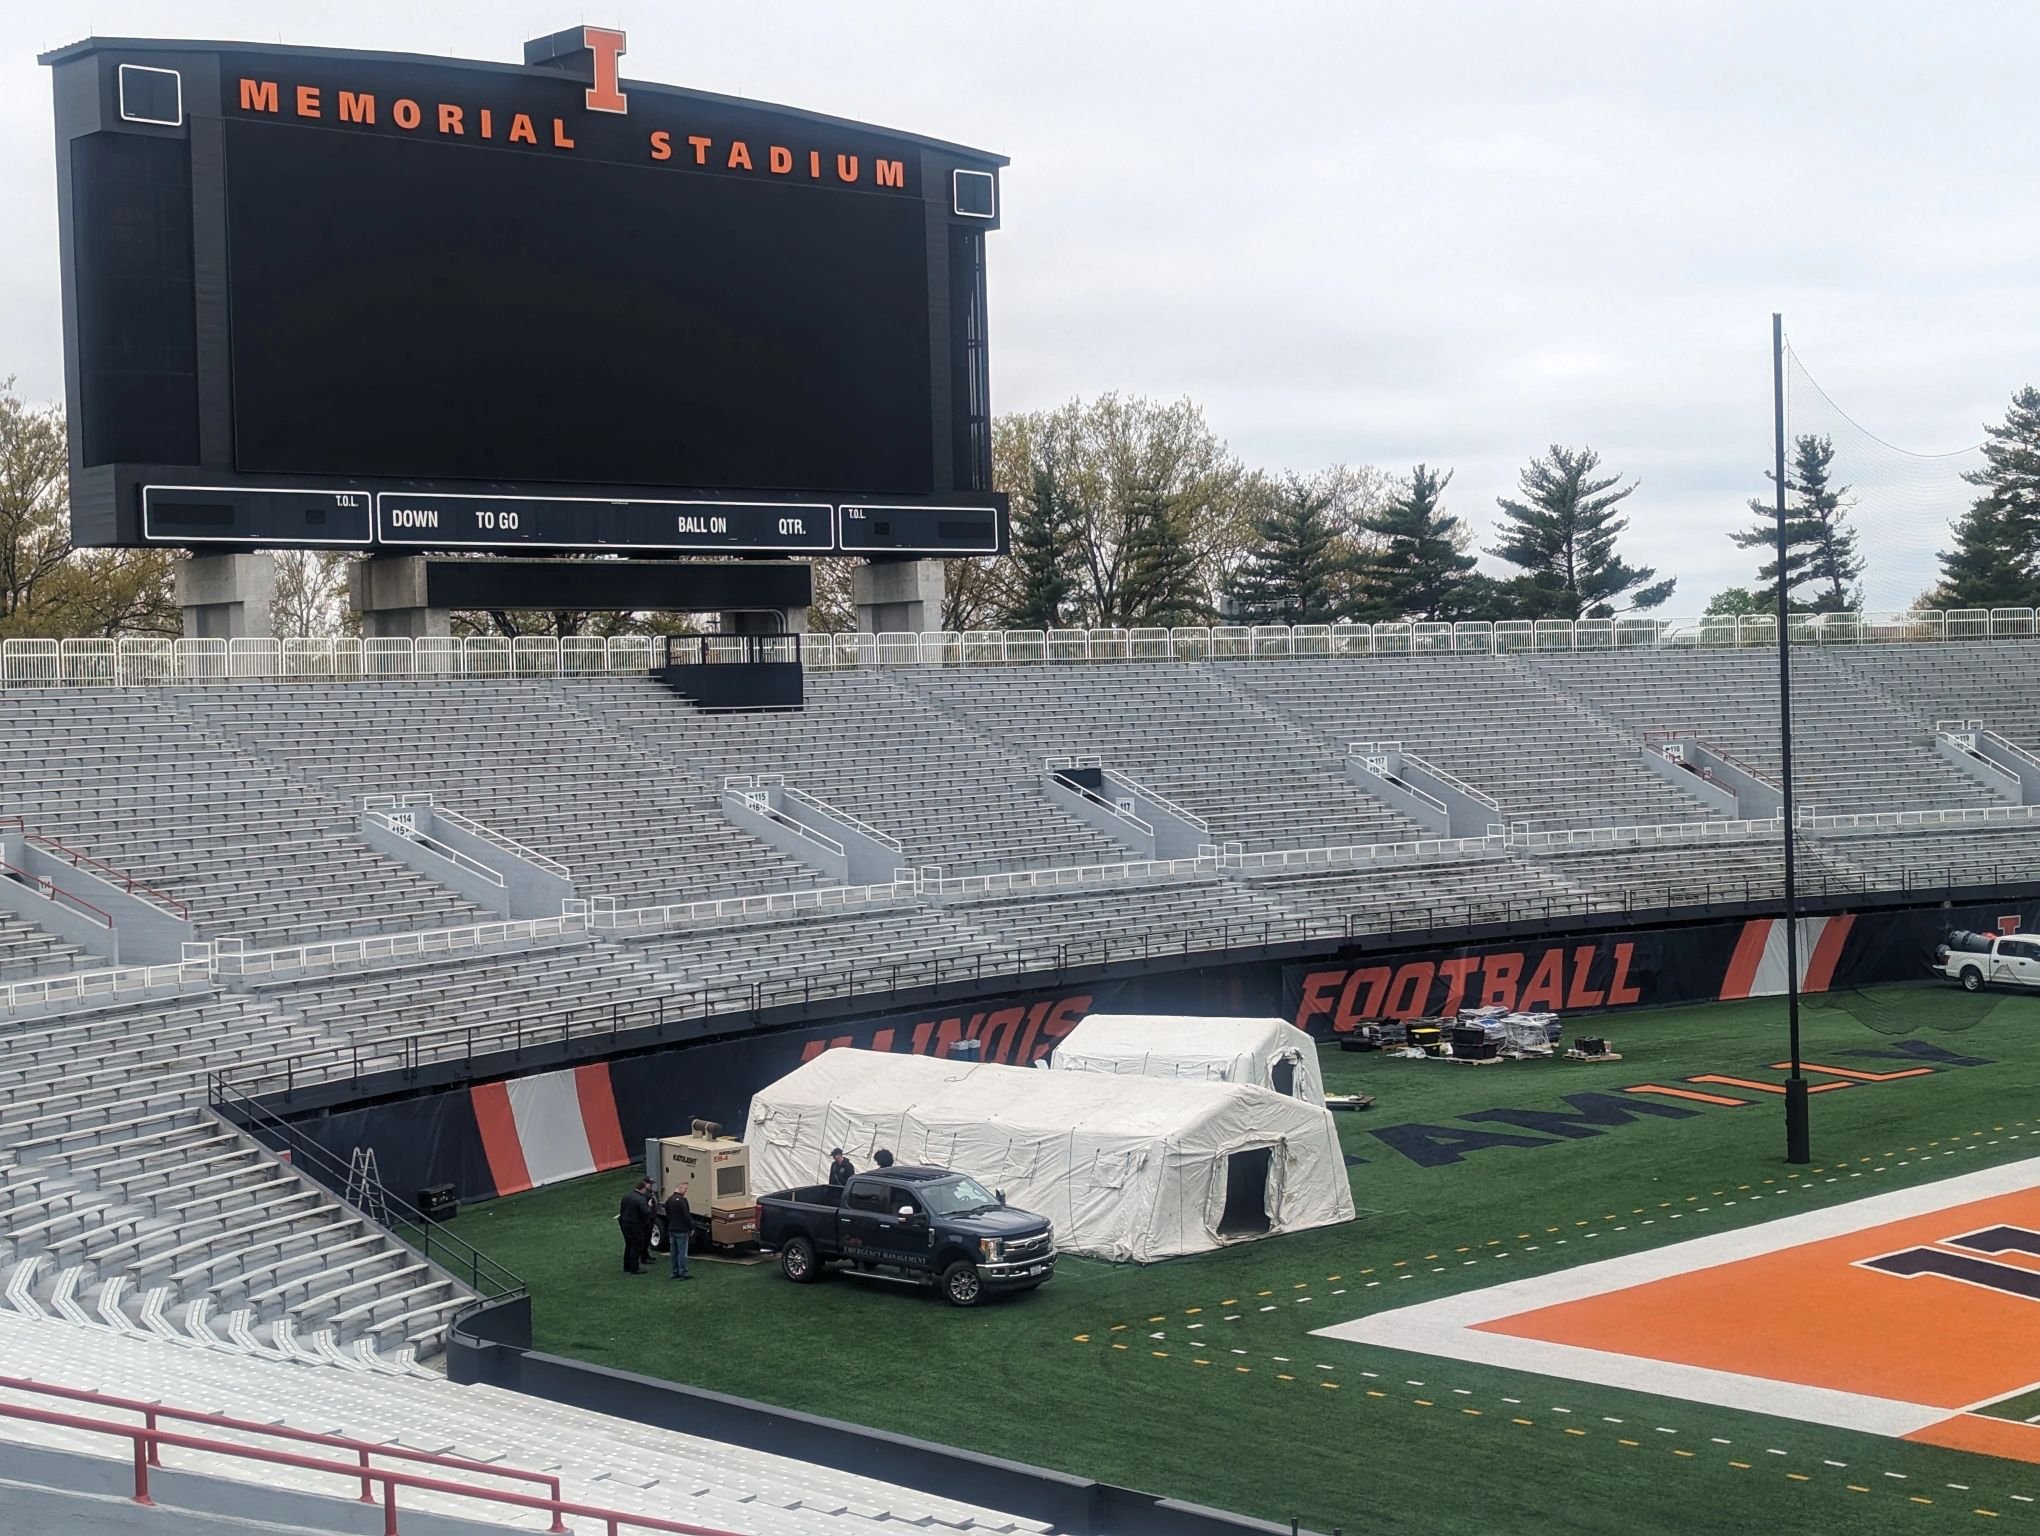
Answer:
[(1454, 232)]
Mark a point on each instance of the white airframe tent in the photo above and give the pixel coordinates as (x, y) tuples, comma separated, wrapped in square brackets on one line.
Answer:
[(1127, 1168), (1264, 1053)]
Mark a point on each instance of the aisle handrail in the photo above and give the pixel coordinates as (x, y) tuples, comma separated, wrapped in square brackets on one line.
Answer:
[(148, 1446)]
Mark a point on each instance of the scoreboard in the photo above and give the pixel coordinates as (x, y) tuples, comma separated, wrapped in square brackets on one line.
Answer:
[(382, 301)]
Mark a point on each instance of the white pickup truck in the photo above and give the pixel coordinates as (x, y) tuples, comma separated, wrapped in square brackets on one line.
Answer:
[(1980, 960)]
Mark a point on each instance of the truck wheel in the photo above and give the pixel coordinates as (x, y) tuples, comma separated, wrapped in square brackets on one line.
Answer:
[(797, 1261), (960, 1284), (1972, 979)]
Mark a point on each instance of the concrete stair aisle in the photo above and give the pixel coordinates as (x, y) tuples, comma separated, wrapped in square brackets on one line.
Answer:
[(125, 1200)]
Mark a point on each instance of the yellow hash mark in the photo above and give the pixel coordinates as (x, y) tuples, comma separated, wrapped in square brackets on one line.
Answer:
[(1264, 1293), (1472, 1413), (1159, 1354), (1372, 1393), (1119, 1346), (1329, 1386), (1857, 1488), (1677, 1452), (1159, 1317), (1192, 1311), (1282, 1376), (1301, 1285), (1799, 1477), (1918, 1500), (1244, 1370), (1745, 1466), (1532, 1423), (1119, 1327), (1988, 1514), (1200, 1362), (1230, 1301), (1571, 1431), (1630, 1443), (1083, 1338)]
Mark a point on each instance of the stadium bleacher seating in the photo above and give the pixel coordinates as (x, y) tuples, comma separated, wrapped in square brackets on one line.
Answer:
[(127, 1206), (603, 1461), (1854, 750)]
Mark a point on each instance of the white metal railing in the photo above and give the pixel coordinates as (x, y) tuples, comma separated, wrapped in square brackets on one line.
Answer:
[(501, 840), (604, 916), (1070, 877), (1372, 759), (1454, 782), (1916, 821), (91, 986), (1291, 861), (835, 813), (1135, 787), (230, 958), (1577, 839), (758, 805), (410, 832), (147, 660)]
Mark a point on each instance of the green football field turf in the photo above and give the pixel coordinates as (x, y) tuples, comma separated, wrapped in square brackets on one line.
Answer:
[(1073, 1376)]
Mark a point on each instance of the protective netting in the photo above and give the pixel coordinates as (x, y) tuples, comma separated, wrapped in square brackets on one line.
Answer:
[(1900, 503)]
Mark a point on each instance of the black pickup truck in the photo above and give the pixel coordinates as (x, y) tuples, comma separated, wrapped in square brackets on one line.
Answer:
[(925, 1224)]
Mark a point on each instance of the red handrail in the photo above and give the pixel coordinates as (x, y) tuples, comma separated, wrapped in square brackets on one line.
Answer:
[(55, 891), (151, 1412), (148, 1444), (121, 878)]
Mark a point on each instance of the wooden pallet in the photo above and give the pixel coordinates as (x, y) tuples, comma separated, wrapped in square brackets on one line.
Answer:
[(1604, 1056)]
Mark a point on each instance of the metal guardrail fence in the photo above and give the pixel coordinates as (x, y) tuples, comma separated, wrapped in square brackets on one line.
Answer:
[(134, 661)]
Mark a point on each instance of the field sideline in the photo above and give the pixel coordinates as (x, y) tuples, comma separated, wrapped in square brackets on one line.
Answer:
[(1201, 1378)]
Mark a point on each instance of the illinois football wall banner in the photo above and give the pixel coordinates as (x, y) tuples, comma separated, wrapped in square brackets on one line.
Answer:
[(1642, 968)]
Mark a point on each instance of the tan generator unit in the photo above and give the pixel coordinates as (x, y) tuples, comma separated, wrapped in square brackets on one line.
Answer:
[(715, 1171)]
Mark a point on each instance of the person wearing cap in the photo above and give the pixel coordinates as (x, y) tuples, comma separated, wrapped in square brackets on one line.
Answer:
[(840, 1168)]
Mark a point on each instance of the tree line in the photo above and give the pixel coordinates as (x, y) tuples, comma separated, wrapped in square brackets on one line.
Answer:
[(1132, 512)]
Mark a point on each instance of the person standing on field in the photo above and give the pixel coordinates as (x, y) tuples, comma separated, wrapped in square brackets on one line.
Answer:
[(634, 1220), (679, 1230)]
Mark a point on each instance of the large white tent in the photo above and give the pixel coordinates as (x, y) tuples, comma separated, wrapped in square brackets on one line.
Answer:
[(1262, 1053), (1127, 1168)]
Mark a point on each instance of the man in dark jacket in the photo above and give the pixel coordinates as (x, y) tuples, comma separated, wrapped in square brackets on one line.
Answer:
[(634, 1219), (840, 1168), (679, 1230)]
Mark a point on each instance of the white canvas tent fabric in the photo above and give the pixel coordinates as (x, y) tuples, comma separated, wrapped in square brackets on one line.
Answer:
[(1180, 1045), (1127, 1168)]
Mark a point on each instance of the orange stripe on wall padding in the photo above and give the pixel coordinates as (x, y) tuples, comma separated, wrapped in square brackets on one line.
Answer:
[(500, 1143), (1827, 952), (598, 1116), (1749, 954)]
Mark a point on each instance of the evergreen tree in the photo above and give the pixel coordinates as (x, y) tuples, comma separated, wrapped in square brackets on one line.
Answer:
[(1163, 586), (1044, 552), (1300, 557), (1562, 534), (1819, 551), (1419, 570), (1993, 562)]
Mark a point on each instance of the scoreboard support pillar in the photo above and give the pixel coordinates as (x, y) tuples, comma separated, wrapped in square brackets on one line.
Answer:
[(227, 597), (898, 596), (769, 621), (389, 592)]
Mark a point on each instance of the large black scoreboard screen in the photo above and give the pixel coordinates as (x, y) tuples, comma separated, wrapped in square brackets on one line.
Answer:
[(373, 300)]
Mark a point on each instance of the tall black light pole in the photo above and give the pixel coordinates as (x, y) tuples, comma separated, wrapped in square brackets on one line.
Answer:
[(1798, 1135)]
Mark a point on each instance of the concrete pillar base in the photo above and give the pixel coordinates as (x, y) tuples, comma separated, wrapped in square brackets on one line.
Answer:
[(388, 591), (227, 597), (898, 596)]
